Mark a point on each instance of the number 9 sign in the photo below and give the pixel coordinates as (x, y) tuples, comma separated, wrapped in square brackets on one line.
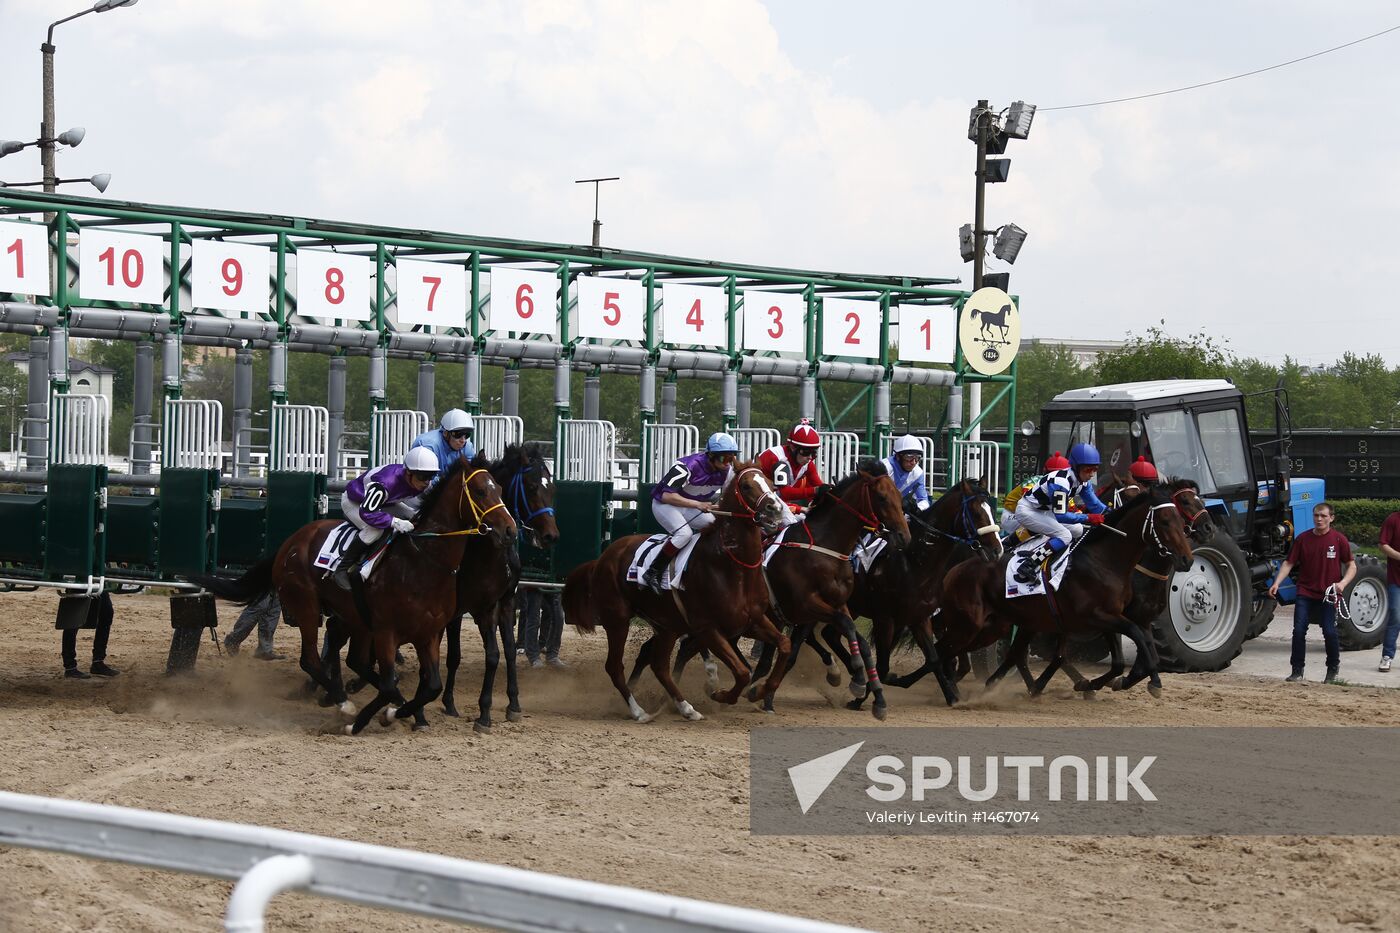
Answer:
[(230, 276), (611, 309), (523, 302), (851, 328), (774, 321)]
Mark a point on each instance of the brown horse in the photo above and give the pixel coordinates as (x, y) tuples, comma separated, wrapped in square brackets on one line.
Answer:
[(1091, 598), (725, 594), (409, 598)]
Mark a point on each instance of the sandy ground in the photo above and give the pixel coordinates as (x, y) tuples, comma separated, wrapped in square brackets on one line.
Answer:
[(579, 790)]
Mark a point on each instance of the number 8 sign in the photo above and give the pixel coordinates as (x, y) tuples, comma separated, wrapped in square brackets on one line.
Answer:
[(334, 285)]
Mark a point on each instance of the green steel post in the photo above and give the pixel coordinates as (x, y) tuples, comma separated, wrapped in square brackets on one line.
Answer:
[(60, 385), (478, 345), (177, 317), (380, 319)]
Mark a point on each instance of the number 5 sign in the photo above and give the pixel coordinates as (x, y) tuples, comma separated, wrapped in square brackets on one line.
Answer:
[(229, 276), (774, 321), (333, 285), (522, 302), (613, 309), (121, 267), (433, 293), (851, 328)]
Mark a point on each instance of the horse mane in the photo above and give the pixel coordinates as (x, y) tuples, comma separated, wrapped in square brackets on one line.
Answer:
[(517, 456), (430, 498)]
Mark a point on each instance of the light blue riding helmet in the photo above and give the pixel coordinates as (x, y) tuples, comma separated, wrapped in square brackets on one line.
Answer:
[(721, 443)]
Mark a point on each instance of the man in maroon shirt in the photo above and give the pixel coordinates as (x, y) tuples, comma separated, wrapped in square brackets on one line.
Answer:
[(1390, 547), (1325, 566)]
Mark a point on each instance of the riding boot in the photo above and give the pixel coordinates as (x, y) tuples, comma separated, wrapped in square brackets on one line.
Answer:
[(1058, 550), (1028, 570), (652, 578), (350, 562)]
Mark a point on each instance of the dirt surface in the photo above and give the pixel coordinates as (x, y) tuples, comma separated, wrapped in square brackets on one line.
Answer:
[(578, 789)]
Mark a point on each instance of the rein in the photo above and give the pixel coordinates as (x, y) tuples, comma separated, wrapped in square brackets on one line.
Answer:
[(812, 545), (478, 513), (751, 514)]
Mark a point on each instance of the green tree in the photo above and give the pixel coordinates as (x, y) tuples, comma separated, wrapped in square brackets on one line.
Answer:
[(1158, 355), (1042, 372)]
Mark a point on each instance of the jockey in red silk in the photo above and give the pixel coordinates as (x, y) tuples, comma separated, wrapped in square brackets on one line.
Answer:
[(792, 468)]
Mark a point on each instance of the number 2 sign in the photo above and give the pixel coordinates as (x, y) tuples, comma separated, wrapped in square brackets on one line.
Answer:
[(694, 314), (612, 309), (851, 328), (229, 276), (24, 259), (433, 293), (334, 285), (121, 267), (774, 321), (523, 302)]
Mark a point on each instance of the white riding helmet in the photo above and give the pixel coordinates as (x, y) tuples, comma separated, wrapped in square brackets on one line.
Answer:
[(421, 460), (908, 444), (454, 419)]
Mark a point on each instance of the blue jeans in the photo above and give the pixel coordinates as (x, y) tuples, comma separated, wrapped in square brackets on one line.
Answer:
[(541, 622), (1392, 627), (1306, 610)]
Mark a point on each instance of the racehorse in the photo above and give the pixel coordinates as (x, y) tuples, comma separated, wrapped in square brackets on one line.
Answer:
[(489, 574), (725, 594), (990, 320), (1092, 596), (409, 598), (899, 593)]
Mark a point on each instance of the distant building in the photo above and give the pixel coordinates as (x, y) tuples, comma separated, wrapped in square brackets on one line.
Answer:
[(84, 378), (1086, 352)]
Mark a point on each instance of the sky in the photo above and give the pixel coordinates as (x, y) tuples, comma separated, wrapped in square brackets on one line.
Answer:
[(796, 133)]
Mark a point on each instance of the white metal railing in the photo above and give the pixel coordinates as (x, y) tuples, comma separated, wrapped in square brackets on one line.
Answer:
[(935, 468), (78, 426), (838, 455), (754, 441), (270, 861), (977, 460), (391, 433), (664, 444), (585, 450), (494, 433), (192, 432), (300, 441)]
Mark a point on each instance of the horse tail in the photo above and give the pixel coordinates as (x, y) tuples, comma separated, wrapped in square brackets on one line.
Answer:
[(976, 313), (252, 586), (578, 608)]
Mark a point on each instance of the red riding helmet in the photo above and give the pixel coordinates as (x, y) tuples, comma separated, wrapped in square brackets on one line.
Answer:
[(804, 435), (1057, 461), (1143, 470)]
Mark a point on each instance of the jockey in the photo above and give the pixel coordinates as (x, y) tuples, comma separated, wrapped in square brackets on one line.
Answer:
[(903, 467), (792, 468), (451, 440), (681, 502), (383, 499), (1055, 461), (1143, 474), (1046, 509)]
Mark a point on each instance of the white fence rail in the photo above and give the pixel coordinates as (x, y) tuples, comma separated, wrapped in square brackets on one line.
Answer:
[(935, 468), (977, 460), (391, 433), (78, 426), (300, 438), (270, 861), (192, 432), (585, 450), (754, 441), (664, 445), (839, 454), (494, 433)]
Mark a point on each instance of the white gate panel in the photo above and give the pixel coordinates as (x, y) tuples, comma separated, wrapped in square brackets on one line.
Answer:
[(392, 433), (754, 441), (300, 441), (192, 432), (977, 460), (78, 426), (664, 445), (494, 433), (585, 450), (935, 470), (838, 455)]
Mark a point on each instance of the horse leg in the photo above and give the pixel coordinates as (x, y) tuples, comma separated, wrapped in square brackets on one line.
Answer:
[(834, 669), (487, 628), (360, 659), (385, 649), (505, 615), (1023, 635), (643, 660), (304, 611), (786, 649), (454, 660), (845, 644), (1146, 656), (1115, 668), (335, 638), (617, 642), (665, 642), (872, 683), (732, 660), (429, 684), (765, 660)]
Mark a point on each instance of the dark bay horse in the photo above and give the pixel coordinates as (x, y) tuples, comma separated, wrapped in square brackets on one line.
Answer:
[(410, 597), (901, 591), (725, 594), (490, 573), (1091, 598)]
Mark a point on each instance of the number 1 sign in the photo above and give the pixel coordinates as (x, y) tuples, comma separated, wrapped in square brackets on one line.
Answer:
[(334, 285), (24, 259), (774, 321), (523, 302), (851, 328), (694, 314), (433, 293), (927, 333), (611, 309), (116, 266), (229, 276)]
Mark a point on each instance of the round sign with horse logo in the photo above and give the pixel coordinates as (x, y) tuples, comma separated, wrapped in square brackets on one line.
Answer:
[(990, 331)]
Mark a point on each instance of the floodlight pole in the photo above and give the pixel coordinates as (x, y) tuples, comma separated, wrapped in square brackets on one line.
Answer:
[(984, 116), (597, 224)]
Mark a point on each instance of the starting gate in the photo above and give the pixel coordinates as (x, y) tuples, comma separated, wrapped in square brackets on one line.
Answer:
[(494, 433), (754, 441), (392, 433), (585, 450), (663, 445), (838, 455), (977, 459)]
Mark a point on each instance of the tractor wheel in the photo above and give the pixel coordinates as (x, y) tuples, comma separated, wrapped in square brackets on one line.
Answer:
[(1368, 600), (1209, 609), (1262, 615)]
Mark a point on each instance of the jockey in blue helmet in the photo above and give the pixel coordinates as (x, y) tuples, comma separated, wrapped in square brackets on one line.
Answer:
[(1045, 510), (681, 502)]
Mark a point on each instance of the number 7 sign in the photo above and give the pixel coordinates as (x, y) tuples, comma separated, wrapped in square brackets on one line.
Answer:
[(433, 293)]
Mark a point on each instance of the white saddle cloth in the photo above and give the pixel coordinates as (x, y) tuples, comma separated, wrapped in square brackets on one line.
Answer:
[(1022, 553), (333, 549), (869, 548), (646, 555)]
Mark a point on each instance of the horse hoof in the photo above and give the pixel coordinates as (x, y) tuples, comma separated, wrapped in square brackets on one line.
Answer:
[(752, 694), (325, 700), (386, 716), (1120, 684), (689, 712), (833, 675), (1083, 685), (419, 726), (451, 711), (348, 708), (354, 685), (514, 715), (880, 712), (349, 730), (1155, 691), (858, 690), (856, 704), (481, 728)]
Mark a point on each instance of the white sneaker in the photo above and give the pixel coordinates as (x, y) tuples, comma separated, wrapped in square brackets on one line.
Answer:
[(1385, 665)]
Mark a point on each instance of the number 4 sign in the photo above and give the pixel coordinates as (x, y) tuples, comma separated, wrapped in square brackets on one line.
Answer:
[(433, 293), (851, 328), (24, 259), (694, 314), (611, 309)]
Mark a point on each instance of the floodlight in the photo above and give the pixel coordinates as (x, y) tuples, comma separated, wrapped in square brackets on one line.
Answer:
[(1008, 243), (1018, 119), (997, 170), (102, 6), (967, 244), (100, 182), (1001, 280), (972, 123), (8, 146), (71, 137), (996, 140)]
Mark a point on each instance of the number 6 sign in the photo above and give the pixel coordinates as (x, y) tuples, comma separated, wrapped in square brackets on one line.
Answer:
[(24, 259), (433, 293), (523, 302), (774, 321), (851, 328), (612, 309), (229, 276), (121, 267), (333, 285)]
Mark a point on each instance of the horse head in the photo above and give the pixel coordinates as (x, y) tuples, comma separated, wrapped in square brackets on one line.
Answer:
[(480, 504), (883, 510), (1164, 526), (748, 495), (524, 473), (964, 513), (1187, 496)]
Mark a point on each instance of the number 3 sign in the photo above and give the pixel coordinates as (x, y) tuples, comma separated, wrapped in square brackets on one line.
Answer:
[(613, 309), (333, 285), (774, 321), (522, 302), (851, 328)]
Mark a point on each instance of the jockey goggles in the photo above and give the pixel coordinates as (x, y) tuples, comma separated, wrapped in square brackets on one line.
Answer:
[(460, 435)]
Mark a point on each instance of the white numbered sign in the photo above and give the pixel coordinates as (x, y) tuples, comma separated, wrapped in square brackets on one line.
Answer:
[(433, 293), (611, 309), (694, 314), (334, 285), (24, 259), (230, 276), (774, 321), (523, 302), (851, 328), (927, 333), (121, 267)]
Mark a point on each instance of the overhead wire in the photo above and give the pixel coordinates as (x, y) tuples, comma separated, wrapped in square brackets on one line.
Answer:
[(1193, 87)]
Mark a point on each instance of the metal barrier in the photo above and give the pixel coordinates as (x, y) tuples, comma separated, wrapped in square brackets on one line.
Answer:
[(391, 433), (664, 444), (978, 460), (935, 468), (299, 442), (838, 455), (192, 432), (267, 862), (78, 426), (585, 450), (754, 441), (494, 433)]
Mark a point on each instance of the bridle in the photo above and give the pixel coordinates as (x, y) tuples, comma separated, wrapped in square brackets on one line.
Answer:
[(972, 532), (867, 519), (751, 514), (478, 513), (519, 501), (1149, 526)]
